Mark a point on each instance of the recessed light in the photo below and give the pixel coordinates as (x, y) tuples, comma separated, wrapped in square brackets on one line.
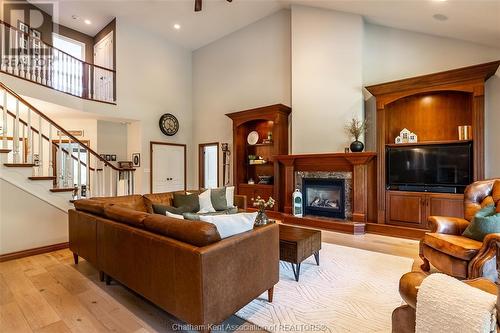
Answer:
[(177, 26), (440, 0), (87, 22), (440, 17)]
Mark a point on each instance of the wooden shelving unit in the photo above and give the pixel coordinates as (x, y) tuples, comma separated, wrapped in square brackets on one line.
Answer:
[(431, 106), (269, 119)]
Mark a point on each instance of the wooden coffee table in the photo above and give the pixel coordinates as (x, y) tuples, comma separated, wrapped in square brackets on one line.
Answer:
[(298, 244)]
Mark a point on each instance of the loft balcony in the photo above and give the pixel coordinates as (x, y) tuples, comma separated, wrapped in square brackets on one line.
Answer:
[(29, 58)]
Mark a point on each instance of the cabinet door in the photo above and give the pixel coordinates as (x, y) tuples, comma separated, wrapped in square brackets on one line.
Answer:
[(406, 209), (445, 205)]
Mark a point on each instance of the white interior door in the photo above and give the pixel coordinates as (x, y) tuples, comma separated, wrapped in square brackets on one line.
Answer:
[(168, 168), (103, 79)]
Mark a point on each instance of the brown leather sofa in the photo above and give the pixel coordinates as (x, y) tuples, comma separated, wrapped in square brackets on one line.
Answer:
[(445, 247), (403, 317), (182, 266)]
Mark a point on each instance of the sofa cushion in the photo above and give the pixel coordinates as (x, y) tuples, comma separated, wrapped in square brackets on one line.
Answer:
[(456, 246), (125, 215), (90, 206), (196, 233), (166, 199), (189, 200), (135, 202), (486, 221)]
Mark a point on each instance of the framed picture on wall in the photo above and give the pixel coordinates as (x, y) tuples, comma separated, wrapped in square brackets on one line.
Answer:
[(136, 160)]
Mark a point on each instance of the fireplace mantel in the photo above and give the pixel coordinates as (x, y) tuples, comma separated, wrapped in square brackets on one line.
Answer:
[(362, 166)]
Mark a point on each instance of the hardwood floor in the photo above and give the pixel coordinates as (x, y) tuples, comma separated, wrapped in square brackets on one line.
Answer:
[(48, 293)]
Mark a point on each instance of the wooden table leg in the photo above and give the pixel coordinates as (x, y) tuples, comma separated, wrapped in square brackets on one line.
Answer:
[(75, 258), (101, 276), (316, 256), (270, 294)]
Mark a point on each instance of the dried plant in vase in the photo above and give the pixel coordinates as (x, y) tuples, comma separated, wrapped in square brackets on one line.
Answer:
[(354, 128), (262, 204)]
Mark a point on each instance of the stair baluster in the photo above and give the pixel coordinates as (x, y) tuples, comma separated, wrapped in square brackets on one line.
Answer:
[(60, 167), (79, 170), (29, 145), (50, 170), (5, 142), (16, 135), (40, 146)]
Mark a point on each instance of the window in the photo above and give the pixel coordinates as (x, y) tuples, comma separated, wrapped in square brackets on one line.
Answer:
[(69, 46), (68, 64)]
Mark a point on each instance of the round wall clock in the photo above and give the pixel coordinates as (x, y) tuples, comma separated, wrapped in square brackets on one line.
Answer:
[(169, 125)]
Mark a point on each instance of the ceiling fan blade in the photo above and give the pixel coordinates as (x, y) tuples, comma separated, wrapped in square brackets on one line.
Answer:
[(197, 5)]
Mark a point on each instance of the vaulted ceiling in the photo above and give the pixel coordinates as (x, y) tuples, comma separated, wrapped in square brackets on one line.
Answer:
[(471, 20)]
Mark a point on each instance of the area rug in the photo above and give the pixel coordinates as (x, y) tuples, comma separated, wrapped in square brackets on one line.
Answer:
[(351, 291)]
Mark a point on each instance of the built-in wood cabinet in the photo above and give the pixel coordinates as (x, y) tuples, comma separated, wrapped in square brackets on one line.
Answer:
[(412, 209), (432, 106), (271, 124)]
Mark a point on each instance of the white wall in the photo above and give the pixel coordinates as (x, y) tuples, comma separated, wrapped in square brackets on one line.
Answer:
[(326, 78), (21, 228), (153, 77), (246, 69), (392, 54), (112, 139)]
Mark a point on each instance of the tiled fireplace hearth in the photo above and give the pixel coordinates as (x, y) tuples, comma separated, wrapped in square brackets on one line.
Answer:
[(356, 172)]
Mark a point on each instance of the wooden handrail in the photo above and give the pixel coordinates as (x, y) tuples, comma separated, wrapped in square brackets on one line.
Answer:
[(53, 123), (55, 48), (46, 138)]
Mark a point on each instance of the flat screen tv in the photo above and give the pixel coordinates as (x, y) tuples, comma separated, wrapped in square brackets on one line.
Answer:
[(430, 166)]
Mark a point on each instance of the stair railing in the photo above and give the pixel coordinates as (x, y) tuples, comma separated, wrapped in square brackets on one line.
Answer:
[(54, 153), (29, 58)]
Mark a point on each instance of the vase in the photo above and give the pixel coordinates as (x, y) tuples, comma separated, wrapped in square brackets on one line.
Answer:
[(357, 146), (261, 218)]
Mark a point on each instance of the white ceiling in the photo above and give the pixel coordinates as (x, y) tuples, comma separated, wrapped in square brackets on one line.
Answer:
[(471, 20)]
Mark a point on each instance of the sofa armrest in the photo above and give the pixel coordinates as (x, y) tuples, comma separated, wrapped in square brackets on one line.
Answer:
[(237, 270), (447, 225), (240, 201), (486, 253)]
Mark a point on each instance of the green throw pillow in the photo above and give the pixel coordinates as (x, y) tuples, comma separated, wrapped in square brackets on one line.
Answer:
[(486, 221), (190, 201), (196, 217), (218, 198), (161, 209)]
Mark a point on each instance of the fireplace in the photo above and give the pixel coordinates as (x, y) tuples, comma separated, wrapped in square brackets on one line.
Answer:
[(324, 197)]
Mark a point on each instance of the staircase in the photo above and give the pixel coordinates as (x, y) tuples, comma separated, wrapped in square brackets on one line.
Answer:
[(42, 158)]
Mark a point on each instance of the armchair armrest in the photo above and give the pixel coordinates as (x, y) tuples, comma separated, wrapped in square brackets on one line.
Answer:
[(447, 225), (485, 254)]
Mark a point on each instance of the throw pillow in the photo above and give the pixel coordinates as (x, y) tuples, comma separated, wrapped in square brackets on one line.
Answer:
[(162, 209), (188, 200), (205, 203), (233, 224), (218, 197), (175, 216), (196, 217), (486, 221), (496, 191)]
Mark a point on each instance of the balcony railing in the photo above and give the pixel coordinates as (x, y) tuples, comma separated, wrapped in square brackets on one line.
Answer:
[(31, 59)]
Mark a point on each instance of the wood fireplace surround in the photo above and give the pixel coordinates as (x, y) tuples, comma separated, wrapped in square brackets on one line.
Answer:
[(362, 166)]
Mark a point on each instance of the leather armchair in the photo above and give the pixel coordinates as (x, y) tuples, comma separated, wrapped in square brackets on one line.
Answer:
[(403, 317), (445, 247)]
